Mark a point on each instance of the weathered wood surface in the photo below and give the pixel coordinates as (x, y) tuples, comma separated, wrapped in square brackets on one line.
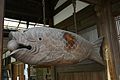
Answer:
[(107, 28), (81, 76), (1, 34), (85, 18), (91, 71), (91, 1), (18, 71), (79, 68)]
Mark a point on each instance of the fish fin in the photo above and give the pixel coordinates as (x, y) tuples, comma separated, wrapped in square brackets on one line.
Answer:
[(97, 58), (96, 52)]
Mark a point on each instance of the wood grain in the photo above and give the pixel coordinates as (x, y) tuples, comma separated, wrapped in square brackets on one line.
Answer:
[(107, 28), (1, 34)]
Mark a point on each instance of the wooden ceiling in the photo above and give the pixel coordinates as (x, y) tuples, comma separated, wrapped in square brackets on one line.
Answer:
[(32, 10), (29, 10)]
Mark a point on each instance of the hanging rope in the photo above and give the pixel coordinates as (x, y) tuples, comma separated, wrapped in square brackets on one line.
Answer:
[(44, 21), (74, 14)]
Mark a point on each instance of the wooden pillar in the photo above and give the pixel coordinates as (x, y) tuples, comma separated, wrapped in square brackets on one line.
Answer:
[(107, 29), (50, 19), (18, 71), (15, 72), (52, 72), (51, 23), (1, 34)]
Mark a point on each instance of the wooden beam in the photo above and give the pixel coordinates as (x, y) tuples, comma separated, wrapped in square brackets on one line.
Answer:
[(80, 68), (107, 28), (50, 8), (98, 1), (8, 11), (91, 1), (116, 8), (85, 18), (64, 5), (54, 2), (1, 34), (115, 1), (23, 16)]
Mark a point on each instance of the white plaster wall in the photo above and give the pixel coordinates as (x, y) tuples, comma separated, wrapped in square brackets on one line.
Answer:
[(90, 34), (68, 11)]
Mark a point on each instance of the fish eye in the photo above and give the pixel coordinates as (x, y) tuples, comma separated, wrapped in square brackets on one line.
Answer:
[(40, 38)]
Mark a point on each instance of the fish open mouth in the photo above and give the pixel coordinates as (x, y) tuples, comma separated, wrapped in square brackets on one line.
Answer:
[(24, 46), (21, 47), (16, 47)]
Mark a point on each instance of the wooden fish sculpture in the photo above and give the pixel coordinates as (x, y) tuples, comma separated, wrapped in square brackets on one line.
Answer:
[(50, 46)]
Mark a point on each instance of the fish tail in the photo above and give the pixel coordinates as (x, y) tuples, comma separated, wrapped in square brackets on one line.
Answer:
[(96, 51), (98, 42)]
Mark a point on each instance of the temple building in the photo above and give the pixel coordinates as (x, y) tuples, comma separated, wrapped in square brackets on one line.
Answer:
[(90, 19)]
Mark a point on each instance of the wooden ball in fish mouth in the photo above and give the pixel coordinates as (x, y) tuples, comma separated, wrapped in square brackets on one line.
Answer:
[(12, 45)]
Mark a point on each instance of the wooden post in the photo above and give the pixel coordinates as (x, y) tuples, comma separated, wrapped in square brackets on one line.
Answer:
[(50, 9), (51, 21), (52, 73), (1, 34), (107, 29)]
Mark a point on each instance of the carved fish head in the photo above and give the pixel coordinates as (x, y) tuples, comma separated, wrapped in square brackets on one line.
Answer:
[(28, 40)]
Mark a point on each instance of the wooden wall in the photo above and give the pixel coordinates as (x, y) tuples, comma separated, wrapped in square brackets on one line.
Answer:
[(85, 18), (81, 76), (91, 71), (18, 71)]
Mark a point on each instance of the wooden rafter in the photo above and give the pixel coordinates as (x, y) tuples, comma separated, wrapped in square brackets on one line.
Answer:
[(85, 14), (115, 1), (91, 1), (54, 2), (64, 5), (98, 1)]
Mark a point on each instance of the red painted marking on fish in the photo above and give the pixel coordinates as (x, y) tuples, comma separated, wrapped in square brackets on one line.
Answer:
[(70, 41)]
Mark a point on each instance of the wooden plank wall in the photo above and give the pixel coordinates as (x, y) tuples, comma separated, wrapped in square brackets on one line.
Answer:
[(85, 18), (91, 71), (18, 71), (81, 76), (110, 48)]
